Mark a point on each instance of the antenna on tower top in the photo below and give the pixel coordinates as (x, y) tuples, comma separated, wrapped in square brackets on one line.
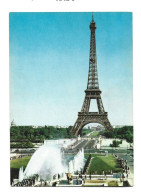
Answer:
[(92, 17)]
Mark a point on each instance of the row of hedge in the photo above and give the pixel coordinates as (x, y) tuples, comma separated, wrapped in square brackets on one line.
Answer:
[(22, 145), (87, 164)]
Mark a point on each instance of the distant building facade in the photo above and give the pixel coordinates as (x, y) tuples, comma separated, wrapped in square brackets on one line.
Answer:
[(13, 123)]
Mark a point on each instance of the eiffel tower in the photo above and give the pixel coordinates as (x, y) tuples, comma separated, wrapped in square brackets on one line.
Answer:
[(92, 92)]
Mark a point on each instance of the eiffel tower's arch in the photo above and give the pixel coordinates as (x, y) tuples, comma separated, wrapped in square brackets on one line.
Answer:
[(78, 126), (92, 127)]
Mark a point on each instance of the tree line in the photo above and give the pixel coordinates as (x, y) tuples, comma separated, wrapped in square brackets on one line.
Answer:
[(125, 132), (36, 135), (24, 136)]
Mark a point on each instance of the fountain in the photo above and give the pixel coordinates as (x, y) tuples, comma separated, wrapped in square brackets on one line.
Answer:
[(48, 161), (71, 169), (21, 174), (77, 163)]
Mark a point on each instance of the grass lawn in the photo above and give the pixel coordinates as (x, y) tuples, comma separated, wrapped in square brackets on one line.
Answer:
[(110, 183), (94, 134), (103, 163), (17, 163), (95, 181)]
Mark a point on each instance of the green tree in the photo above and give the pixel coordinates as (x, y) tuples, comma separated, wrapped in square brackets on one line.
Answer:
[(115, 143)]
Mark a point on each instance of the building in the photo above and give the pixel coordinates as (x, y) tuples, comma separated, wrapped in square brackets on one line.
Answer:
[(13, 123)]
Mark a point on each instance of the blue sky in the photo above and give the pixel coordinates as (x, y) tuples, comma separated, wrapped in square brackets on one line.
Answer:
[(49, 60)]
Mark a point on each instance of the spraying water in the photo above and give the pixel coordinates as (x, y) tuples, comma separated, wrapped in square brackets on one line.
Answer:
[(46, 162), (21, 174), (71, 169), (78, 162)]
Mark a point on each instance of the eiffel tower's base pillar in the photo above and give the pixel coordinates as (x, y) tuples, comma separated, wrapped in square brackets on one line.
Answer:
[(91, 117)]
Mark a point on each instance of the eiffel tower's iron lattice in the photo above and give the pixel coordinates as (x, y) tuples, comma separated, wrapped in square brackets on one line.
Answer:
[(92, 92)]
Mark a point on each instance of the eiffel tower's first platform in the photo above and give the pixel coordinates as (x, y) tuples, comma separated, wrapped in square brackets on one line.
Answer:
[(92, 92)]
